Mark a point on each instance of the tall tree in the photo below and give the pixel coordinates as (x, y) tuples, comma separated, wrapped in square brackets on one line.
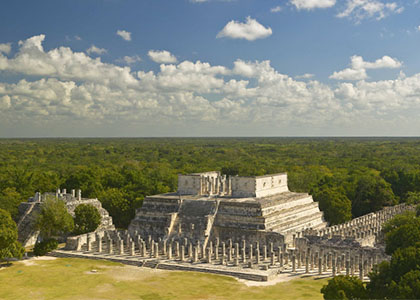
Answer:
[(9, 246), (54, 220)]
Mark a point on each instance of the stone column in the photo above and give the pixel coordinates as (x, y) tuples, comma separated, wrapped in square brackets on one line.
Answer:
[(272, 256), (195, 255), (237, 250), (347, 267), (209, 255), (170, 251), (110, 250), (190, 250), (223, 250), (99, 240), (230, 252), (264, 252), (177, 254), (156, 250), (88, 242), (257, 255), (121, 243), (281, 259), (144, 249), (334, 268), (306, 264), (293, 262), (132, 249), (164, 248), (251, 254), (182, 253), (244, 255), (320, 266)]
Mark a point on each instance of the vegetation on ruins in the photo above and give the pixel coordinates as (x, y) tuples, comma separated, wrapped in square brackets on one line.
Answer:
[(9, 246), (86, 218), (344, 288), (43, 247), (397, 279), (54, 219), (367, 173)]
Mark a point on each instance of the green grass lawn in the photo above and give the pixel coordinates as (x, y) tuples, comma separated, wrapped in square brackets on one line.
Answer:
[(73, 279)]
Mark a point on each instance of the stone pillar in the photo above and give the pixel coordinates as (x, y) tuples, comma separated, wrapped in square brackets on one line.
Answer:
[(223, 250), (203, 252), (236, 261), (307, 264), (164, 248), (216, 250), (237, 250), (334, 268), (320, 266), (209, 255), (182, 253), (121, 243), (156, 250), (264, 252), (347, 267), (293, 262), (257, 255), (144, 249), (190, 250), (211, 248), (244, 255), (195, 255), (88, 242), (281, 259), (299, 259), (132, 249), (251, 254), (110, 250), (278, 256), (99, 240), (177, 254), (272, 256), (170, 251)]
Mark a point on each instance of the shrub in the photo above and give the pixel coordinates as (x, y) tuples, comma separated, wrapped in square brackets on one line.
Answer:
[(87, 218), (45, 246)]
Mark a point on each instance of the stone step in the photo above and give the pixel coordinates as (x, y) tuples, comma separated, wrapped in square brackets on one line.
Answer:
[(291, 215), (297, 223)]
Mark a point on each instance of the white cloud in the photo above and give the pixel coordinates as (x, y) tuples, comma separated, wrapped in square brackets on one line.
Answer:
[(77, 38), (276, 9), (124, 34), (129, 60), (251, 30), (5, 48), (77, 90), (163, 56), (359, 67), (312, 4), (305, 76), (95, 50), (362, 9)]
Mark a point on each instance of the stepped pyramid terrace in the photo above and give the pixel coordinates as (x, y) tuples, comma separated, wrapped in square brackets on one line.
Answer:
[(210, 205), (252, 228)]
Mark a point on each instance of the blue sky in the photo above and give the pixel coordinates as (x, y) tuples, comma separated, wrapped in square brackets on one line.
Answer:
[(209, 68)]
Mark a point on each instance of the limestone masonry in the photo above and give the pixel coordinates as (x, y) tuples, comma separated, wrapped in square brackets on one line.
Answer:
[(210, 205), (28, 235)]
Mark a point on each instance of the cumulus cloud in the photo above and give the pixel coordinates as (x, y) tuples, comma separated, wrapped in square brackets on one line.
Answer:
[(125, 35), (305, 76), (5, 48), (276, 9), (77, 89), (162, 56), (312, 4), (357, 71), (95, 50), (250, 30), (362, 9), (129, 60)]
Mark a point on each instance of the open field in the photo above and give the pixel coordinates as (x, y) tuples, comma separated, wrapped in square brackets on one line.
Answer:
[(49, 278)]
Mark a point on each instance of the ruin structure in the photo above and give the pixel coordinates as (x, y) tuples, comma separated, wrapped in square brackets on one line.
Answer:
[(27, 233), (210, 205)]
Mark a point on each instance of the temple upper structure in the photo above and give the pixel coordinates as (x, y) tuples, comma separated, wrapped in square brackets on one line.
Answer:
[(211, 205), (215, 184)]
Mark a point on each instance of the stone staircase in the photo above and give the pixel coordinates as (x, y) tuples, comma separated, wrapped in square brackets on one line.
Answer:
[(194, 220)]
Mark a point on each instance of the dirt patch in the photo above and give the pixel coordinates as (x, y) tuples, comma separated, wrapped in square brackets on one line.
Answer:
[(32, 261), (133, 273), (278, 279)]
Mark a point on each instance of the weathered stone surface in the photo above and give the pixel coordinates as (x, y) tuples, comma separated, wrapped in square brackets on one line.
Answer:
[(209, 205), (28, 211)]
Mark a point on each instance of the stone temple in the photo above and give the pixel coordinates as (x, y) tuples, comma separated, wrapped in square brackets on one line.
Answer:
[(210, 206)]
